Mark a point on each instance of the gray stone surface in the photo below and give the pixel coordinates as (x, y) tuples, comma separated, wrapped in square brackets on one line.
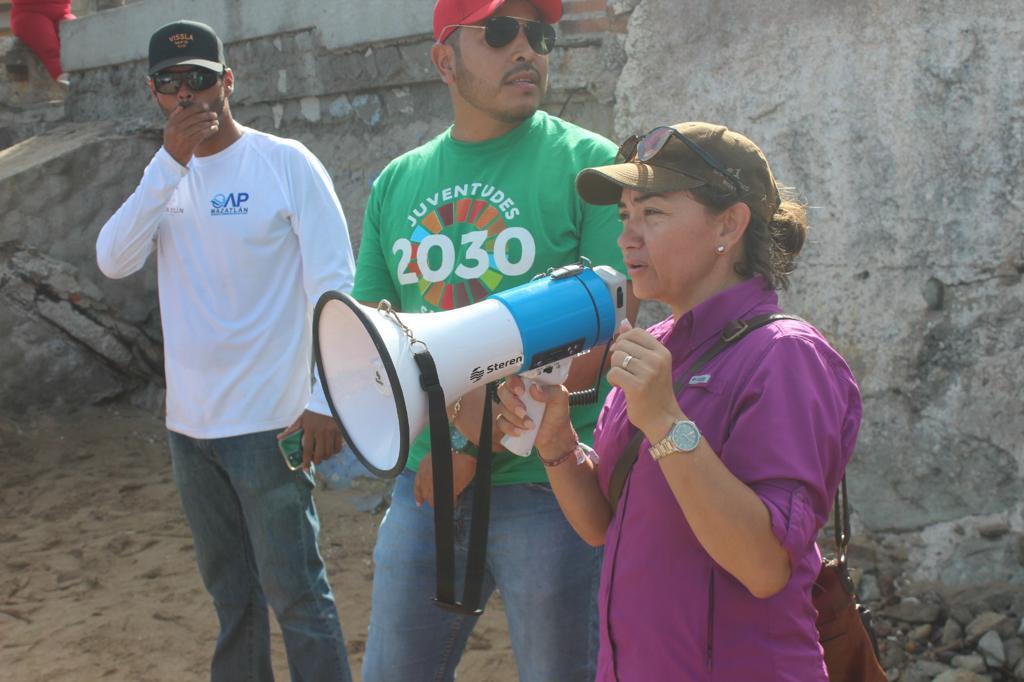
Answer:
[(891, 654), (986, 622), (981, 560), (922, 671), (971, 662), (57, 191), (30, 101), (913, 610), (1014, 648), (961, 613), (868, 589), (898, 126), (62, 346), (991, 649), (961, 676), (951, 632), (71, 336), (920, 633), (993, 530), (24, 80)]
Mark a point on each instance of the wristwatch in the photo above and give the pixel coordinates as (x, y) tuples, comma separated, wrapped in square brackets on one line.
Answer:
[(460, 443), (682, 437)]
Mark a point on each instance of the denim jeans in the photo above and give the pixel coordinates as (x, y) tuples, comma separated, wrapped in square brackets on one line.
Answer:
[(546, 574), (254, 527)]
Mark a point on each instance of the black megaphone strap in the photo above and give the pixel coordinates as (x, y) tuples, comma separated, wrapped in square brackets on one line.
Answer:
[(444, 502)]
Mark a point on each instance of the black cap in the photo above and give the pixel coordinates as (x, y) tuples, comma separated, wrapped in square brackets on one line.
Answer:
[(185, 42)]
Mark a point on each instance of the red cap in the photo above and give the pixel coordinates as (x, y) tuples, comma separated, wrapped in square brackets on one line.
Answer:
[(450, 12)]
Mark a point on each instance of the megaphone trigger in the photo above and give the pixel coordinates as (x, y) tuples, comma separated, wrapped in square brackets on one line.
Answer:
[(548, 375)]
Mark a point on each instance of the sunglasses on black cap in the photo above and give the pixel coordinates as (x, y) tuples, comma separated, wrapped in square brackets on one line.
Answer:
[(500, 31), (169, 82), (645, 147)]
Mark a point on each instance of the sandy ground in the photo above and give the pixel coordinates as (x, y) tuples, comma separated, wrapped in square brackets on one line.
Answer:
[(97, 579)]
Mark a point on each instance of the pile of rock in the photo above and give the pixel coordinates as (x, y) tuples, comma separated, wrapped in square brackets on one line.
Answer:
[(63, 347), (927, 638)]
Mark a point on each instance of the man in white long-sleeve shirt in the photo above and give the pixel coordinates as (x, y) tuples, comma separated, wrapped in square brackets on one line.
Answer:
[(248, 233)]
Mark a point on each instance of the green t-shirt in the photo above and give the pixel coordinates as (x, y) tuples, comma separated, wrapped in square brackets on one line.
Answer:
[(451, 222)]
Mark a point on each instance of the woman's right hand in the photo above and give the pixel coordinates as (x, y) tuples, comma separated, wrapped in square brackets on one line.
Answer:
[(556, 435)]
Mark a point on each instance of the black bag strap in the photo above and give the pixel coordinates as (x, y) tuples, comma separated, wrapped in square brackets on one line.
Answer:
[(842, 523), (444, 501), (841, 528), (730, 334)]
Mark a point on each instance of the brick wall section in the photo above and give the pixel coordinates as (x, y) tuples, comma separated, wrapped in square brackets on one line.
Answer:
[(571, 7), (583, 19)]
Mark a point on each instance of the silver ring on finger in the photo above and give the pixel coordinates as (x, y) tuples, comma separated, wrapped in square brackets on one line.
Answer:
[(626, 360)]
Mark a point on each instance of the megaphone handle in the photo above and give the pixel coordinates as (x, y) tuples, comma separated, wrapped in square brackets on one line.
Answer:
[(522, 444)]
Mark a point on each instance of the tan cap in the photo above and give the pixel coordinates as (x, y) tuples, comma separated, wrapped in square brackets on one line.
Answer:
[(711, 155)]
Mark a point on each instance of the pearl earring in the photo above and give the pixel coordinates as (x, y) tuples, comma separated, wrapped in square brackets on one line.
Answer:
[(720, 248)]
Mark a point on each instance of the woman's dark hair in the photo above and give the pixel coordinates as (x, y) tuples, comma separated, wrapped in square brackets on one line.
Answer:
[(771, 250)]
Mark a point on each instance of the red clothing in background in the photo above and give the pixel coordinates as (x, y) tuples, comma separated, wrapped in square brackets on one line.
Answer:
[(34, 22)]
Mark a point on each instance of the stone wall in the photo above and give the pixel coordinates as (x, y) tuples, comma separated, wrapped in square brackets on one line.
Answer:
[(900, 125)]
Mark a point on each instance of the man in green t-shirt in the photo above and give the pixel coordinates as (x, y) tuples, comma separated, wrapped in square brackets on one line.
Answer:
[(481, 208)]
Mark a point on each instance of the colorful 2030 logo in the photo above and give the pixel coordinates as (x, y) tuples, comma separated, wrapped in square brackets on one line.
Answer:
[(487, 251)]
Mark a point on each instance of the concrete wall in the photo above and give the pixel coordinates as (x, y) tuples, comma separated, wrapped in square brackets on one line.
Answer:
[(900, 124)]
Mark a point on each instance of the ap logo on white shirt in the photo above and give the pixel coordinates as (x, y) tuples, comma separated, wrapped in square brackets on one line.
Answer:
[(229, 204)]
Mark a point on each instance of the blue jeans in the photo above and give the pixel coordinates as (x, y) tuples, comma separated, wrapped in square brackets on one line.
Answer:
[(255, 530), (547, 576)]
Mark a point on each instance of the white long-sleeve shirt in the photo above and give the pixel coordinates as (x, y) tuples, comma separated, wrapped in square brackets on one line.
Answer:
[(247, 240)]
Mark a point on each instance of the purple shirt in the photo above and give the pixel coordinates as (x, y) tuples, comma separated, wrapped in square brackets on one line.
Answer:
[(782, 409)]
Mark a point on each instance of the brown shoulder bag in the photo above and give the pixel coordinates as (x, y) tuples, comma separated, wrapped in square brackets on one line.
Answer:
[(844, 625)]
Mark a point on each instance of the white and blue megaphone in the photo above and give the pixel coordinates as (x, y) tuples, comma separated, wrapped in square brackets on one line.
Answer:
[(365, 355)]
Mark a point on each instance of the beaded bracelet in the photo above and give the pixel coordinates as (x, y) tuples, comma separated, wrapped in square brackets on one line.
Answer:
[(582, 451)]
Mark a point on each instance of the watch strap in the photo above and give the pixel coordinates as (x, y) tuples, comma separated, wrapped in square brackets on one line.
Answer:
[(470, 448), (663, 447)]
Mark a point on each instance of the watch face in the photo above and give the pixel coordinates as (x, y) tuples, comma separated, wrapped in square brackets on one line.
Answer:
[(685, 436)]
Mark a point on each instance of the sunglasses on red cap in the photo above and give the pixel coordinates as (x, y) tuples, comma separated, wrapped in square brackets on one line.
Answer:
[(500, 31)]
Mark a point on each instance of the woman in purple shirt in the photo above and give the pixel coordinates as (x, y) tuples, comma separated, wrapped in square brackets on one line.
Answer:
[(710, 553)]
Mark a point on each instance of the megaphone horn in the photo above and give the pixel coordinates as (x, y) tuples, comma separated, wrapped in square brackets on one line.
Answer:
[(365, 359)]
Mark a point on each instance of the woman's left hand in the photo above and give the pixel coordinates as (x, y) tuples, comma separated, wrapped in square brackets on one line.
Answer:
[(642, 368)]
